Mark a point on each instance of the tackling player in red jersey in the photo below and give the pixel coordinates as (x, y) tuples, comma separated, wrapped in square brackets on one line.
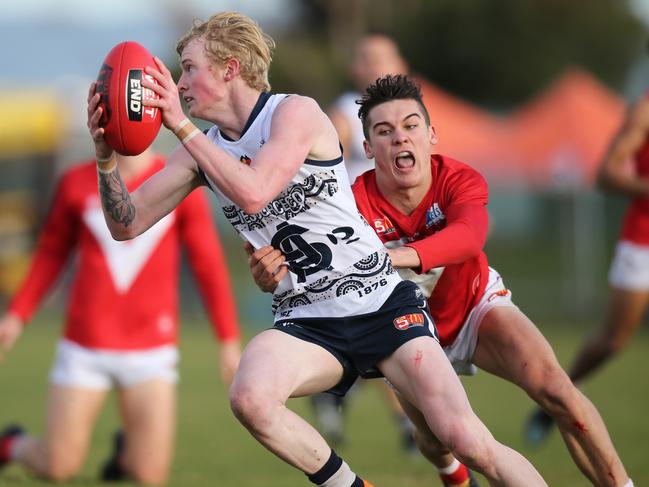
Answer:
[(431, 212), (121, 325)]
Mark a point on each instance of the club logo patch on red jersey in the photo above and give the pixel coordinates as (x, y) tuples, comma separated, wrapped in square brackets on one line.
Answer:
[(383, 226), (245, 159), (407, 321), (434, 215)]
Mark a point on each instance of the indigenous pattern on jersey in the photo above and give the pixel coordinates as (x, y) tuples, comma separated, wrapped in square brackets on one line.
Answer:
[(455, 192), (124, 295), (338, 266), (635, 226)]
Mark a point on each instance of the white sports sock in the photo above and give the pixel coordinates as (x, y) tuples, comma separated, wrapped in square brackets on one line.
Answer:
[(344, 477), (629, 484), (455, 464)]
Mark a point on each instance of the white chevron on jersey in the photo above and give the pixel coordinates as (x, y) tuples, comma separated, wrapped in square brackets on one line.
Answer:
[(125, 259)]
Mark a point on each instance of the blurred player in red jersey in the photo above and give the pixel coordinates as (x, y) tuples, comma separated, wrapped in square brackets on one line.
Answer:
[(121, 327), (430, 211), (624, 170)]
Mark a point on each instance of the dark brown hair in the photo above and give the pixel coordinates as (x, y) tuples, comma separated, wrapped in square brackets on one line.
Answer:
[(388, 88)]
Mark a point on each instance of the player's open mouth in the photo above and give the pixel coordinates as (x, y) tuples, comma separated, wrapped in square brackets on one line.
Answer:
[(405, 160), (188, 99)]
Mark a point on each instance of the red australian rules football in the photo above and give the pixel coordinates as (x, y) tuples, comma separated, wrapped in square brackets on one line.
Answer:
[(130, 127)]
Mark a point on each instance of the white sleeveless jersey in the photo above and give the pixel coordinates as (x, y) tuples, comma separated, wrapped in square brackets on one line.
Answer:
[(338, 266)]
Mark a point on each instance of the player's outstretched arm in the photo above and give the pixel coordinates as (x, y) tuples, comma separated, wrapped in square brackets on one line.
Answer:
[(615, 173)]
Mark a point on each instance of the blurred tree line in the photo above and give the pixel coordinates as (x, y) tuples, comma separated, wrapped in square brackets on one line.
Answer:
[(495, 53)]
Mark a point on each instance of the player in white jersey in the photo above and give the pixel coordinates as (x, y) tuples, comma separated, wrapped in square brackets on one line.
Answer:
[(294, 196), (330, 262)]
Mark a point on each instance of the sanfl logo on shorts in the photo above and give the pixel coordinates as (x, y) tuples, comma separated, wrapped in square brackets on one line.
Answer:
[(406, 321)]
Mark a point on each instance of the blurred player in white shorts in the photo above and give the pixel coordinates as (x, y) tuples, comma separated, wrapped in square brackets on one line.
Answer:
[(77, 366), (630, 267), (624, 170)]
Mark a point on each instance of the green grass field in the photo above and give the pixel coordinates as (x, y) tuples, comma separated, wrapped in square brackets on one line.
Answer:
[(214, 450)]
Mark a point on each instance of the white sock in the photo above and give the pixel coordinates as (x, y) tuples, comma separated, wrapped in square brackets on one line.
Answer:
[(455, 464), (344, 477), (629, 484)]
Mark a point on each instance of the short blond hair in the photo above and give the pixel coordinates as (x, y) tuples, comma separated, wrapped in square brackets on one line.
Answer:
[(230, 35)]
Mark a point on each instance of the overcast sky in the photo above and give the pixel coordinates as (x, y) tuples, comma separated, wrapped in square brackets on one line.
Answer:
[(129, 11), (47, 40)]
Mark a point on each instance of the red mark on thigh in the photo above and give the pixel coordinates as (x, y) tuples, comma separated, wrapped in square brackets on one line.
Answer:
[(580, 426), (418, 356)]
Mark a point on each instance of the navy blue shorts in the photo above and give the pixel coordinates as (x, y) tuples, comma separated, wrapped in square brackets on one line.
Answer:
[(360, 342)]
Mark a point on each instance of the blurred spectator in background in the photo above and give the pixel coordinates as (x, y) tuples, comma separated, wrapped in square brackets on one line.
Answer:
[(121, 327), (624, 170), (374, 56)]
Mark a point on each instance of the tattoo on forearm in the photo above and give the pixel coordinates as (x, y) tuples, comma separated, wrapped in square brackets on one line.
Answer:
[(115, 198)]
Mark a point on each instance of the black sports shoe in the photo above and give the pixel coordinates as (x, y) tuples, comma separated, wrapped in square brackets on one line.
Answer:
[(8, 432), (538, 427), (112, 471)]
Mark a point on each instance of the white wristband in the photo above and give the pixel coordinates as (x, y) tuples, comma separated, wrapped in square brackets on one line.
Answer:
[(182, 123), (108, 165), (190, 136)]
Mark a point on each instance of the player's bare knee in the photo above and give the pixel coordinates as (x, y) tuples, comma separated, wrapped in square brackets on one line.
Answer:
[(545, 381), (554, 392), (252, 408), (469, 443), (474, 452)]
